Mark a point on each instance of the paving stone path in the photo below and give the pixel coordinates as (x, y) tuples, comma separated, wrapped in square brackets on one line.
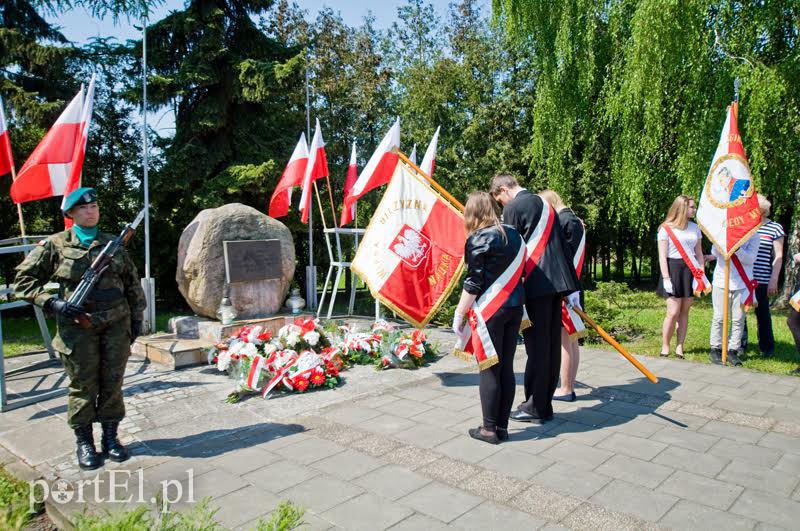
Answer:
[(707, 447)]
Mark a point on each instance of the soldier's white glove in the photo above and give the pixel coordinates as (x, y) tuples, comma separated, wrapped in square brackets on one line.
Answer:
[(797, 257), (668, 286), (574, 300)]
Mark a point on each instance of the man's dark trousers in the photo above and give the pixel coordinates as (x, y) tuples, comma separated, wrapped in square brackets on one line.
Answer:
[(543, 347)]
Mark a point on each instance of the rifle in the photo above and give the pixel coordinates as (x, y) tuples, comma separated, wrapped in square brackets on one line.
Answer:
[(92, 275)]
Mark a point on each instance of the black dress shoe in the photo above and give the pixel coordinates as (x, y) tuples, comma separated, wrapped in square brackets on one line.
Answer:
[(477, 433), (523, 416), (733, 358)]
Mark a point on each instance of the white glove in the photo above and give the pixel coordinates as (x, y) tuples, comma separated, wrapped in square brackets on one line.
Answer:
[(668, 286), (796, 257), (458, 323), (574, 300)]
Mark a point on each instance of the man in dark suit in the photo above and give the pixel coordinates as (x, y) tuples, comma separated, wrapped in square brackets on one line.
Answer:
[(552, 277)]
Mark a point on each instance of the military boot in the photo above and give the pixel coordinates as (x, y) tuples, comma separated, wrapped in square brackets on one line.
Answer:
[(112, 448), (86, 453)]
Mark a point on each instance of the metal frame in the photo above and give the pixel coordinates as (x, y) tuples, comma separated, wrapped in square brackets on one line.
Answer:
[(340, 264), (21, 245)]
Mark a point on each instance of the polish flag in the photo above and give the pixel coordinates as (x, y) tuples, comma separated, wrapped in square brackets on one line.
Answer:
[(48, 169), (74, 181), (429, 159), (413, 156), (292, 176), (316, 169), (380, 168), (728, 212), (349, 213), (412, 253), (6, 159)]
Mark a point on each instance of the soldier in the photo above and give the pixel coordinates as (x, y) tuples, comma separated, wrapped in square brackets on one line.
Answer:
[(94, 358)]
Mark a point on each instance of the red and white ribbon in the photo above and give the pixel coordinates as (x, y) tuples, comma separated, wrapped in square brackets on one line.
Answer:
[(570, 320), (478, 344), (254, 373), (749, 283), (534, 249), (700, 283)]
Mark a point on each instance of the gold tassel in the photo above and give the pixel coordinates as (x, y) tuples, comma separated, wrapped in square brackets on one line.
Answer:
[(460, 354), (488, 362)]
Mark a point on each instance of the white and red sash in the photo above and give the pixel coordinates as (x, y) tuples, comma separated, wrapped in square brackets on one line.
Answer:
[(534, 249), (254, 373), (700, 283), (795, 301), (749, 283), (478, 344), (570, 320)]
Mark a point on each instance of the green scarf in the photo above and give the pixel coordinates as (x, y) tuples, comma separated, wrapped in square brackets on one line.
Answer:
[(85, 234)]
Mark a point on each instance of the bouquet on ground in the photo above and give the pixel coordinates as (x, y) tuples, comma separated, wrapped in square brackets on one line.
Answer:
[(359, 348), (297, 359), (404, 349)]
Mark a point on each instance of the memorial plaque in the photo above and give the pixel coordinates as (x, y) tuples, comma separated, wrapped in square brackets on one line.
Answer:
[(247, 260)]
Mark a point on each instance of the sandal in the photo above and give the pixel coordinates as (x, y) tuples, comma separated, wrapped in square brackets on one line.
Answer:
[(679, 354), (665, 354), (477, 433)]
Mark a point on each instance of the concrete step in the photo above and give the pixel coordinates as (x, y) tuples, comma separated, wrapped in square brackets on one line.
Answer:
[(172, 351)]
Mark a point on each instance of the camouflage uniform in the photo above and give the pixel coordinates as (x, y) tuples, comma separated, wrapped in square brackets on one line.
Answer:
[(94, 358)]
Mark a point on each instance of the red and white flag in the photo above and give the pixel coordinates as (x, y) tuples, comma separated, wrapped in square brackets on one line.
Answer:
[(292, 176), (413, 249), (380, 168), (429, 160), (317, 168), (48, 169), (74, 181), (6, 159), (728, 212), (413, 156), (349, 213)]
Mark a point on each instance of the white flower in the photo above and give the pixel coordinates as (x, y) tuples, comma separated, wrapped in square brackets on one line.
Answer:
[(269, 348), (249, 350), (312, 337), (252, 337), (292, 339), (223, 360)]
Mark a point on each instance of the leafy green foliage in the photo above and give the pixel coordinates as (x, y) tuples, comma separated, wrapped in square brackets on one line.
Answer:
[(285, 517)]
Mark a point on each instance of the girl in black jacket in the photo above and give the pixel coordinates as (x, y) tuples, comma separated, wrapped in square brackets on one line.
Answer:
[(489, 251)]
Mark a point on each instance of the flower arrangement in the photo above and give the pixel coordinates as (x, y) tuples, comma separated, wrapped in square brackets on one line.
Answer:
[(299, 358), (406, 350)]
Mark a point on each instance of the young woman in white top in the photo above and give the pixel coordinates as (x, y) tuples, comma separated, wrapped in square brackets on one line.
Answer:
[(675, 284)]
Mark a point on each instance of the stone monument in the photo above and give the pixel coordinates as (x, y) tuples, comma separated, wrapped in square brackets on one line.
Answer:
[(237, 244)]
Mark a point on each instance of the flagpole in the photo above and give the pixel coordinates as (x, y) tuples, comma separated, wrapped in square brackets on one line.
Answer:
[(725, 312), (19, 206), (149, 285), (311, 277), (438, 187)]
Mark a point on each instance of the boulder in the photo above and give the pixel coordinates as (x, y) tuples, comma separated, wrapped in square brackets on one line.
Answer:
[(201, 262)]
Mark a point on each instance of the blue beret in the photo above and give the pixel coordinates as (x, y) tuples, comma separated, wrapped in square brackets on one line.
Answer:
[(81, 196)]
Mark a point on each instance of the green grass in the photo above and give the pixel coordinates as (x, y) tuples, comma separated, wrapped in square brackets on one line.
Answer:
[(14, 503), (286, 517), (645, 316)]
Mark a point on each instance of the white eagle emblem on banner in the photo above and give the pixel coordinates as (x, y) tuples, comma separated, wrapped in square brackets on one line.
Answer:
[(411, 246)]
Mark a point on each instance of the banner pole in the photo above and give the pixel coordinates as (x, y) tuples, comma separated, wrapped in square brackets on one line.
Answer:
[(438, 187), (725, 310), (611, 341)]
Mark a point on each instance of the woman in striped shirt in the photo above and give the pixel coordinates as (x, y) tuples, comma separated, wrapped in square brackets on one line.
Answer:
[(766, 271)]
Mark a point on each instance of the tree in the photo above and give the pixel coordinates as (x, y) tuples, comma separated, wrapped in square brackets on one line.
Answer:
[(226, 81)]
